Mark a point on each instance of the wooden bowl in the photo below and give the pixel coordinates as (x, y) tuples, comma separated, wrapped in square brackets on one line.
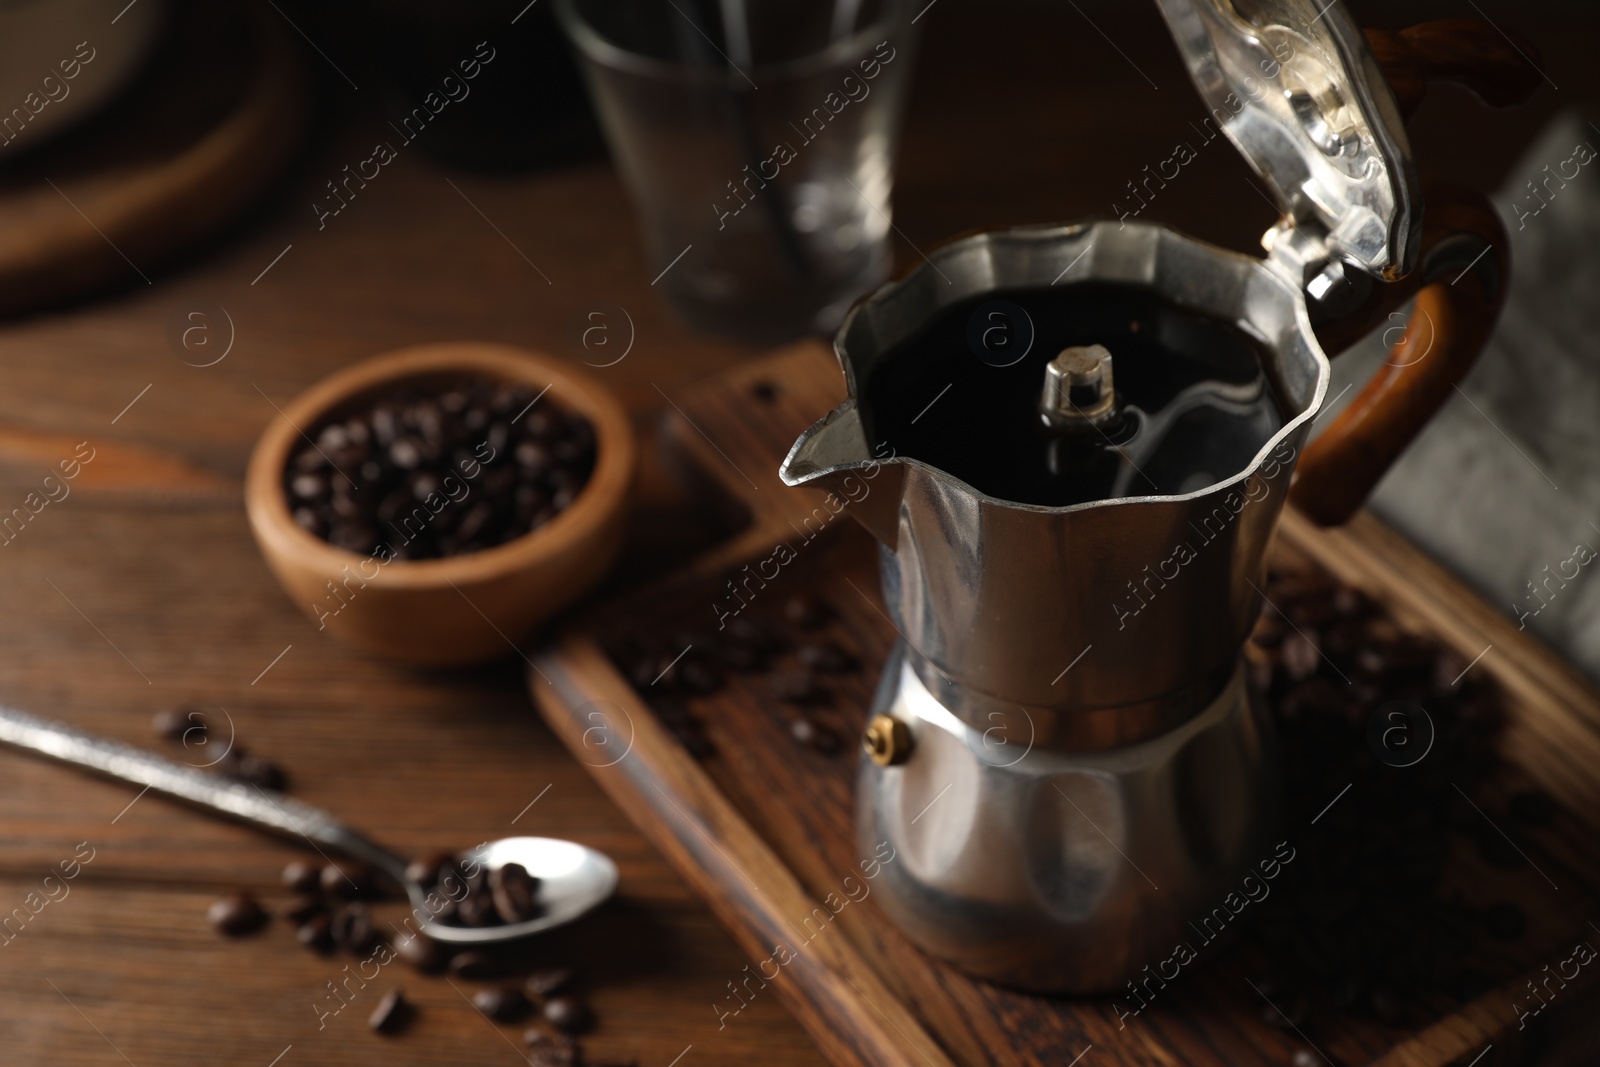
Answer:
[(460, 609)]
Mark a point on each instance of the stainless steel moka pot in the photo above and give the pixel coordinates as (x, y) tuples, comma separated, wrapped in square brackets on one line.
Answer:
[(1063, 750)]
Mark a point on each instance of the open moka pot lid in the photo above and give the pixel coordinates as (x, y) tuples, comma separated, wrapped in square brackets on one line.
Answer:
[(1295, 88)]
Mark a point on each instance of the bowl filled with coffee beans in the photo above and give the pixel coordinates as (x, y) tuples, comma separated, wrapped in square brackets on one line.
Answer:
[(436, 504)]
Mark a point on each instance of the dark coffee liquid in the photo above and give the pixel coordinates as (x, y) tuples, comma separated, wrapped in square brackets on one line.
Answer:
[(1197, 406)]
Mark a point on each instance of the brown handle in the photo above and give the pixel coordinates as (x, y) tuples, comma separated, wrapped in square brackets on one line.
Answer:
[(1460, 289), (1499, 66)]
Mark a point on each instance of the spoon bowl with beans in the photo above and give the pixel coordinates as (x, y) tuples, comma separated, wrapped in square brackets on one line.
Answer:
[(499, 891)]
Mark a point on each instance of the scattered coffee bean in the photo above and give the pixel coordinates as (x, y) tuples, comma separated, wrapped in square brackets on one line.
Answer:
[(477, 909), (533, 1037), (236, 915), (502, 1005), (747, 633), (827, 741), (698, 676), (421, 475), (391, 1013), (1360, 918), (473, 965), (426, 871), (1299, 657), (568, 1013), (549, 981), (252, 770), (1286, 1013), (302, 877), (421, 952), (1506, 921), (316, 933), (559, 1051), (515, 893), (302, 909), (1387, 1007), (351, 926), (182, 724), (827, 657), (797, 687), (347, 879), (807, 612)]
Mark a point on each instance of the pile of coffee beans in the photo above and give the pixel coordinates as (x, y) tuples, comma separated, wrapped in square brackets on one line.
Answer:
[(793, 653), (330, 912), (417, 474), (188, 726), (507, 894), (1358, 922)]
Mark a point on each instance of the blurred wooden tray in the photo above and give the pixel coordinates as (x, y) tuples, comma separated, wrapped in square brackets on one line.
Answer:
[(763, 829), (198, 137)]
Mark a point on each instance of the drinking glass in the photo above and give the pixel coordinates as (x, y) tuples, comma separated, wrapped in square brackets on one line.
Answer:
[(757, 143)]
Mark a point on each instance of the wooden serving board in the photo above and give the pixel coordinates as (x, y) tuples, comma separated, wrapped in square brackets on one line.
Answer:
[(762, 827)]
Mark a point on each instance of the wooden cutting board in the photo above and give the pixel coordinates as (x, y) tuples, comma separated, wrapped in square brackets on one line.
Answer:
[(762, 828)]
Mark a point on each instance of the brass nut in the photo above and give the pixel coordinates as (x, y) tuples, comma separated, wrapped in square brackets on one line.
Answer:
[(887, 741)]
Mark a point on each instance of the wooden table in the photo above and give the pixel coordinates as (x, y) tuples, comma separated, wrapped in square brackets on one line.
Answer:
[(145, 590)]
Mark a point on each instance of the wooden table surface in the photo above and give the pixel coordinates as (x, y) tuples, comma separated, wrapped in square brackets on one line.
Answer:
[(123, 599)]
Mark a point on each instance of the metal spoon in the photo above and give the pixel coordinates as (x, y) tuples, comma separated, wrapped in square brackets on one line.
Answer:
[(573, 879)]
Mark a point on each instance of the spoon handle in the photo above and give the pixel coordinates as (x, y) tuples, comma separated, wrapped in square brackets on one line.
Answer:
[(252, 804)]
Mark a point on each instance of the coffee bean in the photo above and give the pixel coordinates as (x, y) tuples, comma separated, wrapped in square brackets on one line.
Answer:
[(568, 1013), (827, 742), (750, 634), (180, 724), (351, 927), (550, 980), (1387, 1007), (252, 770), (426, 870), (477, 909), (302, 877), (236, 915), (301, 909), (421, 952), (347, 878), (515, 893), (1286, 1013), (473, 965), (391, 1013), (827, 657), (316, 933), (698, 676), (535, 1038), (559, 1051), (1506, 921), (504, 1005), (807, 612), (1533, 808), (797, 687), (1299, 657)]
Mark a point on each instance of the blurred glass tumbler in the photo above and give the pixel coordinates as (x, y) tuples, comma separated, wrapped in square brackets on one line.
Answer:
[(757, 142)]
